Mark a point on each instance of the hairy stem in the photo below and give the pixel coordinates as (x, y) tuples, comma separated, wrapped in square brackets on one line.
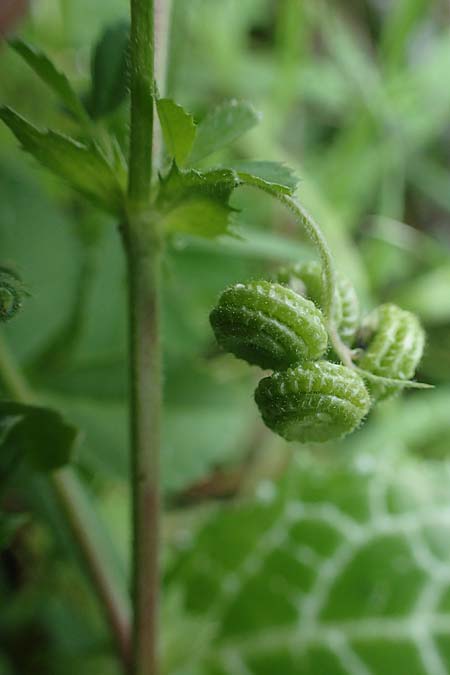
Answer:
[(142, 243), (145, 367), (86, 530), (317, 238)]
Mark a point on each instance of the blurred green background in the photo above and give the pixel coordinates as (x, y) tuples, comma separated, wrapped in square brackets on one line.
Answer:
[(311, 561)]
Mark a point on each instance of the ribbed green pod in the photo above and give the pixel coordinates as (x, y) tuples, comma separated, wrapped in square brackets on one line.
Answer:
[(313, 402), (269, 325), (307, 279), (394, 342)]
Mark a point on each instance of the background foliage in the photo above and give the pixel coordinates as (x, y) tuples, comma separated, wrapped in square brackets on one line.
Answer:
[(340, 564)]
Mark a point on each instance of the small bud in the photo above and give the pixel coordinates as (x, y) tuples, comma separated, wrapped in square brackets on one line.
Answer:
[(12, 292)]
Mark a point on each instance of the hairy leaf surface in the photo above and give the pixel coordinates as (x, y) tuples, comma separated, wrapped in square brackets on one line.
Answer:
[(84, 167)]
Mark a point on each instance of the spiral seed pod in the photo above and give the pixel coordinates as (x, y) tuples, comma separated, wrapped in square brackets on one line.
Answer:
[(11, 294), (307, 279), (313, 402), (395, 341), (268, 325)]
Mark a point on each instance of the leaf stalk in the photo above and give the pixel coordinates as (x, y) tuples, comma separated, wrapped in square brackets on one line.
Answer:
[(82, 520)]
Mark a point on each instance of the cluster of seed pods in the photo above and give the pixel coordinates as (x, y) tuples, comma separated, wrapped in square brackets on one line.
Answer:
[(279, 326)]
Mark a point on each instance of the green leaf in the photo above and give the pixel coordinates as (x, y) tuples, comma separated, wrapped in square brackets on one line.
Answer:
[(178, 129), (268, 173), (201, 216), (221, 127), (109, 70), (49, 74), (41, 435), (334, 566), (196, 202), (84, 167)]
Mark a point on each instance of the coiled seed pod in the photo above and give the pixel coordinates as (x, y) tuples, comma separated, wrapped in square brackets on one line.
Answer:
[(395, 341), (313, 402), (307, 279), (269, 325), (11, 294)]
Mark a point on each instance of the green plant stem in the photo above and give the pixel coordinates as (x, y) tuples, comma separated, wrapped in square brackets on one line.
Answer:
[(87, 532), (379, 379), (315, 235), (12, 377), (142, 243), (145, 367), (81, 519), (317, 238)]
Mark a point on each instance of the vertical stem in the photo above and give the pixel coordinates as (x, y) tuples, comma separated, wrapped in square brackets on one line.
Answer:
[(145, 367), (142, 243)]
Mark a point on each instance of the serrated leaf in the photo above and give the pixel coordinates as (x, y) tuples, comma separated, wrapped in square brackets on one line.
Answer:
[(55, 79), (268, 173), (84, 167), (196, 202), (40, 435), (221, 127), (109, 70), (178, 129), (335, 566)]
